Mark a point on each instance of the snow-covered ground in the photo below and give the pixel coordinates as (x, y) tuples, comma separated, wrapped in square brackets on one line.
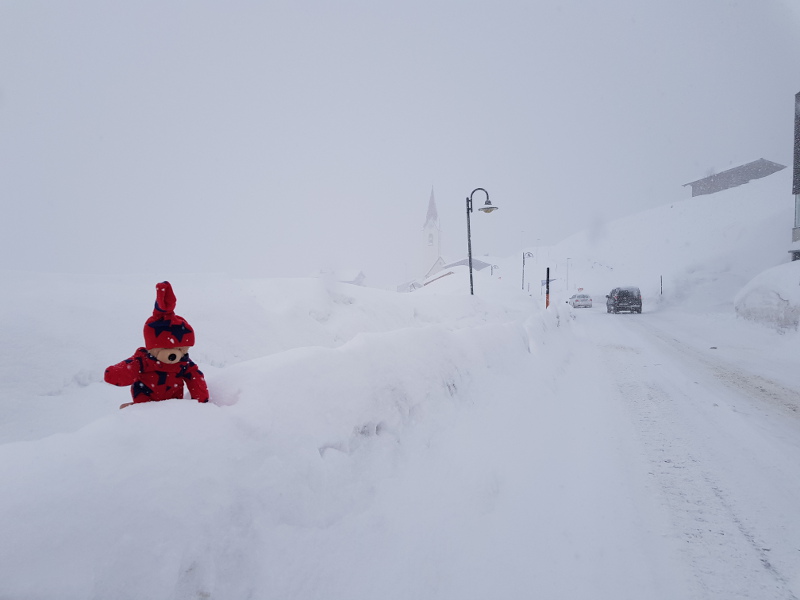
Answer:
[(367, 444)]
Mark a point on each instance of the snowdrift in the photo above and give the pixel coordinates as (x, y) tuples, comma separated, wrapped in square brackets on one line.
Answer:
[(772, 298), (174, 499)]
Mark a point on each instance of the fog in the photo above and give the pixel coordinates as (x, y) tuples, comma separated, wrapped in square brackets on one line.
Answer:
[(281, 138)]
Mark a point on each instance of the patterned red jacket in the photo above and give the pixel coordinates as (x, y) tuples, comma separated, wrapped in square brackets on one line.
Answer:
[(151, 380)]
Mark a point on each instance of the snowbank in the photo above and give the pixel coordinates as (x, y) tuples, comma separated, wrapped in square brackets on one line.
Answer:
[(772, 298), (315, 387)]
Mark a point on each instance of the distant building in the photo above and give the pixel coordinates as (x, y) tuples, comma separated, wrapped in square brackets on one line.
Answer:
[(432, 261), (409, 286), (431, 240), (440, 271), (734, 177), (435, 268), (795, 251), (477, 265)]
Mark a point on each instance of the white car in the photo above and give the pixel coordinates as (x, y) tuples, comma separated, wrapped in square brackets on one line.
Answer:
[(580, 301)]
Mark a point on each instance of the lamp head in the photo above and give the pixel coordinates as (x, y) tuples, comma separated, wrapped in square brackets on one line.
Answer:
[(488, 207)]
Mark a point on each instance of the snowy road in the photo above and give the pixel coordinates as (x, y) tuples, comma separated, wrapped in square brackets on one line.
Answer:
[(717, 422)]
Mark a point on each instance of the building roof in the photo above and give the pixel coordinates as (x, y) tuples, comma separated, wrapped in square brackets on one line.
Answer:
[(734, 177), (796, 175), (477, 265)]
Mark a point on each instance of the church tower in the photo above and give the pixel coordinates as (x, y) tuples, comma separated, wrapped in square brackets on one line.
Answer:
[(431, 240)]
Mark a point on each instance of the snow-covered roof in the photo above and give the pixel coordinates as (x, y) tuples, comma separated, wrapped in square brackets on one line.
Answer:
[(734, 177), (477, 264)]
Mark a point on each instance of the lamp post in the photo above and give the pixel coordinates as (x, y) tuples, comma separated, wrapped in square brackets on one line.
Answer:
[(524, 256), (568, 275), (487, 208)]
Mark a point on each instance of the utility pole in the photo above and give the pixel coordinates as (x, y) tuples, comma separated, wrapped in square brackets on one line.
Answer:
[(547, 293)]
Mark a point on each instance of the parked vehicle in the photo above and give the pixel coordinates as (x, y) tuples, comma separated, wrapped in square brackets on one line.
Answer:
[(580, 301), (624, 299)]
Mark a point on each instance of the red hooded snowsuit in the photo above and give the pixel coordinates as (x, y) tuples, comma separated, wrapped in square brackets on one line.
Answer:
[(153, 380)]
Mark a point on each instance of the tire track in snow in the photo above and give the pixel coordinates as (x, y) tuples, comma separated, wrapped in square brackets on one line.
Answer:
[(724, 554), (751, 385)]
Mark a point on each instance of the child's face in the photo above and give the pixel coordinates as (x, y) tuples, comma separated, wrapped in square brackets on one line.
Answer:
[(169, 355)]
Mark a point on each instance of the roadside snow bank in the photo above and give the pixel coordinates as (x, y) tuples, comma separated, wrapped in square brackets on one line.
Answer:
[(772, 298), (319, 392)]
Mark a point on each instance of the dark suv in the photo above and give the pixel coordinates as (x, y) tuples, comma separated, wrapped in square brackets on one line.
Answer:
[(624, 298)]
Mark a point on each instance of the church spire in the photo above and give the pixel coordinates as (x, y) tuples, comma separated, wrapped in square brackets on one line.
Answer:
[(431, 239), (433, 216)]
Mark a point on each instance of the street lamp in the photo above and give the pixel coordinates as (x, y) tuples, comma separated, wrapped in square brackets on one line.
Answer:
[(524, 256), (568, 274), (487, 208)]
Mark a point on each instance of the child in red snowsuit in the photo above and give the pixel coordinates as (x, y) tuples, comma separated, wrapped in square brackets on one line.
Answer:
[(158, 370)]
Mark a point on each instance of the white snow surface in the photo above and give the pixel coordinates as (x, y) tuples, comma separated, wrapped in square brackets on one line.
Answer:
[(366, 444)]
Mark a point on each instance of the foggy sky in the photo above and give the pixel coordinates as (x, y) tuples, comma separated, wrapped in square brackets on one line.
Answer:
[(278, 138)]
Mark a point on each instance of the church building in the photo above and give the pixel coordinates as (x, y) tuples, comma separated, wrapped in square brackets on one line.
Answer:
[(432, 260)]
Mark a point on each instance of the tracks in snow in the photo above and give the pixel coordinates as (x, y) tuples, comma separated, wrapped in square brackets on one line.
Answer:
[(700, 454)]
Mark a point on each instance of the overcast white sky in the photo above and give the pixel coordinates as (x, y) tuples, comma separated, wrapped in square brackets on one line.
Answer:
[(277, 138)]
